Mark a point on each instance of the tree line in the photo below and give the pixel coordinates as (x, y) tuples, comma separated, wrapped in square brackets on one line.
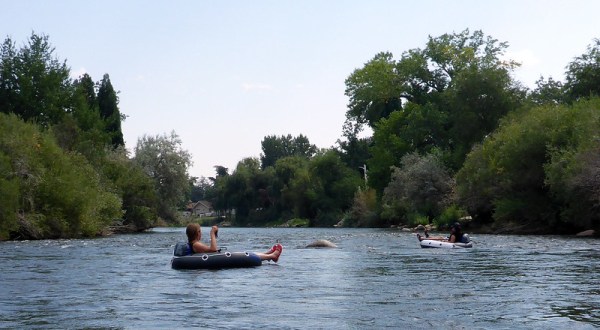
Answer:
[(64, 171), (454, 136)]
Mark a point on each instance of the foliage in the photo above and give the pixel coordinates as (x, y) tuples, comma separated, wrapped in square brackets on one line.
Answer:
[(355, 152), (547, 91), (34, 84), (450, 215), (109, 111), (421, 186), (319, 189), (9, 190), (522, 171), (140, 199), (331, 190), (202, 189), (374, 93), (573, 173), (415, 219), (446, 96), (298, 222), (274, 148), (583, 74), (363, 212), (163, 160), (75, 122), (57, 194)]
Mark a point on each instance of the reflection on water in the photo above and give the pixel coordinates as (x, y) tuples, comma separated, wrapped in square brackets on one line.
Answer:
[(375, 279)]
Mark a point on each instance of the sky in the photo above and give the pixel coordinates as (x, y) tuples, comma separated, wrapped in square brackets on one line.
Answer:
[(223, 75)]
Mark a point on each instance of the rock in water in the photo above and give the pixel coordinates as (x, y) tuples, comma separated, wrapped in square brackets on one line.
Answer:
[(586, 233), (321, 243)]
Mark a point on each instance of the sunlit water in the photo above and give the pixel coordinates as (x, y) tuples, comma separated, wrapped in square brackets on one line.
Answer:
[(375, 279)]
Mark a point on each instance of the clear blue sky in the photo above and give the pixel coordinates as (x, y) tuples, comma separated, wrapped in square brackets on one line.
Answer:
[(225, 74)]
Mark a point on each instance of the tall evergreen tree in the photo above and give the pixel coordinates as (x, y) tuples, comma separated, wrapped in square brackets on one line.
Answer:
[(108, 103)]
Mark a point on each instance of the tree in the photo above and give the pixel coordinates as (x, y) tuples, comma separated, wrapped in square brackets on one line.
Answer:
[(374, 91), (33, 83), (9, 203), (415, 128), (355, 152), (446, 96), (246, 191), (274, 148), (163, 159), (330, 190), (109, 111), (33, 169), (422, 186), (202, 189), (583, 74), (547, 91), (530, 170), (136, 188), (82, 129)]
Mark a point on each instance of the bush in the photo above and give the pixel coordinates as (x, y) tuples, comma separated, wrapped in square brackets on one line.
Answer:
[(450, 215), (59, 194), (536, 169)]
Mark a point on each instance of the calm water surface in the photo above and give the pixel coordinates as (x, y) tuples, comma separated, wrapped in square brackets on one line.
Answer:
[(375, 279)]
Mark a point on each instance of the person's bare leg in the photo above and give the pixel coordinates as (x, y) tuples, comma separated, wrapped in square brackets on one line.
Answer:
[(272, 254)]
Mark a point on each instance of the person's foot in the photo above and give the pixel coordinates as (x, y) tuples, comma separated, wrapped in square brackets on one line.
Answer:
[(277, 248), (273, 249)]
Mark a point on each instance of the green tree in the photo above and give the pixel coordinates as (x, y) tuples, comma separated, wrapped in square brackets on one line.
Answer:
[(82, 129), (421, 186), (446, 96), (529, 170), (202, 189), (547, 91), (163, 159), (9, 190), (274, 148), (136, 188), (363, 212), (374, 92), (583, 74), (219, 181), (108, 103), (331, 190), (59, 194), (416, 128), (290, 173), (354, 152), (34, 84)]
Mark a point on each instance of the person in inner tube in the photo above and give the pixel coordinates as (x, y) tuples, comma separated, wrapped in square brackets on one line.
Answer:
[(456, 235), (194, 235)]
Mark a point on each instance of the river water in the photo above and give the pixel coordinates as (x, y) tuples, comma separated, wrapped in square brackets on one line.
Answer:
[(377, 278)]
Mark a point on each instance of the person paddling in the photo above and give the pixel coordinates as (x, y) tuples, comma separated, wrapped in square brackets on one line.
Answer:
[(194, 235)]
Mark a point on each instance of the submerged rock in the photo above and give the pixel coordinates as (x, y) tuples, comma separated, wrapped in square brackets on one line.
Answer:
[(321, 243)]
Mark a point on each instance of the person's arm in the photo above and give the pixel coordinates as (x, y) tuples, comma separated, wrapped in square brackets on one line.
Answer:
[(213, 239), (199, 247)]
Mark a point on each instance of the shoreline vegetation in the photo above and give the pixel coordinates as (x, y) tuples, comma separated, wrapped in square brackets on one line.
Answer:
[(455, 137)]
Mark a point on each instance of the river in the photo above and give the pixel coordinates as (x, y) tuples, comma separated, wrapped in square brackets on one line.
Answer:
[(376, 278)]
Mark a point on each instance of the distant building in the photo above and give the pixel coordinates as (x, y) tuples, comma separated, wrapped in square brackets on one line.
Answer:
[(200, 209)]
